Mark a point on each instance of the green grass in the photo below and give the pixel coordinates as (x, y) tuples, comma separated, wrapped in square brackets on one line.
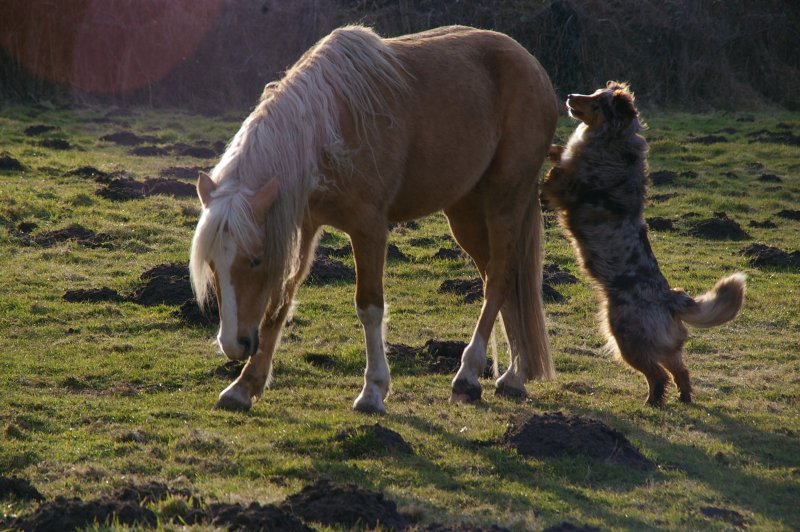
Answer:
[(96, 396)]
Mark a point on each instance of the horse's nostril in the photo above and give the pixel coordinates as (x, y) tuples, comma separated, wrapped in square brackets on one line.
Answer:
[(246, 344)]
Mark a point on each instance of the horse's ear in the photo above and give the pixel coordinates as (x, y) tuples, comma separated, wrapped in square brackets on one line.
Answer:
[(262, 199), (205, 187)]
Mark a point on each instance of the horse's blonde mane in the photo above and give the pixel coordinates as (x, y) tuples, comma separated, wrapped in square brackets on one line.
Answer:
[(296, 120)]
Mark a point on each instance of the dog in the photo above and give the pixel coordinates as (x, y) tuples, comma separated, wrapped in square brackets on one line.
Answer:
[(597, 185)]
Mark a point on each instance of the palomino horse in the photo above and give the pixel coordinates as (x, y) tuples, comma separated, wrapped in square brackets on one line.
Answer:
[(363, 131)]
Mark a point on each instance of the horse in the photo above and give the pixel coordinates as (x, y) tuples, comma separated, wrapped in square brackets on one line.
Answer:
[(361, 132)]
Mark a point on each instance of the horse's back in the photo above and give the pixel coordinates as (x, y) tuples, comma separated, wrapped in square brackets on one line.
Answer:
[(472, 94)]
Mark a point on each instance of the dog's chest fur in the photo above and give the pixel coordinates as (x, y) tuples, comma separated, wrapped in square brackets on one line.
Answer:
[(599, 188)]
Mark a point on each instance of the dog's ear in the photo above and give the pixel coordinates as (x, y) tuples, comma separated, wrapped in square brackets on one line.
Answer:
[(624, 109), (554, 154)]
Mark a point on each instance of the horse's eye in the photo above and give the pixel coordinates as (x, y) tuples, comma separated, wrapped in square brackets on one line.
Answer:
[(255, 262)]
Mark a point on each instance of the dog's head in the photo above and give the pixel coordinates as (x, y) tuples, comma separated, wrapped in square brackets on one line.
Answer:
[(610, 109)]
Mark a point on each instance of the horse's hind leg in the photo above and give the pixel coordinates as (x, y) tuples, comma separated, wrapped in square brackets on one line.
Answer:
[(257, 373), (369, 251)]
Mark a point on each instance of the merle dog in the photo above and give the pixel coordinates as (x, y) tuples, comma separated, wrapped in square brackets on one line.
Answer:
[(597, 185)]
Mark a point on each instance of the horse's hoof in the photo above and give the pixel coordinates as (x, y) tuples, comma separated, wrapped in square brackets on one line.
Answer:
[(233, 404), (509, 392), (367, 407), (465, 392)]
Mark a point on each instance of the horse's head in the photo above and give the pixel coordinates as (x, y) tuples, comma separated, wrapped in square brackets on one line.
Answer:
[(228, 252)]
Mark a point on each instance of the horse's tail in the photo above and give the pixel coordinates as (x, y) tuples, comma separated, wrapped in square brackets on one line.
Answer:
[(523, 310)]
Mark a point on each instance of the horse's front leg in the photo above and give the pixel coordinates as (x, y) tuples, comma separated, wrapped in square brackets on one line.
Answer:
[(369, 251), (257, 373)]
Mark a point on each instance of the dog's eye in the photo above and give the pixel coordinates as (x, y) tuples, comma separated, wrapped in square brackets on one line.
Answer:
[(255, 262)]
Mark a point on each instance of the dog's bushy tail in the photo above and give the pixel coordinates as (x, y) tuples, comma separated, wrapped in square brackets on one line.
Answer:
[(717, 306)]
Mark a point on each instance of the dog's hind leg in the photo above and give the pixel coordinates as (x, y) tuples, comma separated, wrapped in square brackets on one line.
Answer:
[(657, 377), (680, 374)]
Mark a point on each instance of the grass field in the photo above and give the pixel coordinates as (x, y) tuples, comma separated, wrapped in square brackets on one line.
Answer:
[(99, 396)]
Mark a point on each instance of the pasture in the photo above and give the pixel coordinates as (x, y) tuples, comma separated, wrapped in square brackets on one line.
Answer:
[(114, 390)]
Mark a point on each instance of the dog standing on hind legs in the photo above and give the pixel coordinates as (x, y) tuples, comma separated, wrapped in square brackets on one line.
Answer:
[(598, 184)]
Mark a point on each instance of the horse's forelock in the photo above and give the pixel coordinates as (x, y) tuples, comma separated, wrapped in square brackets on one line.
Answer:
[(226, 217)]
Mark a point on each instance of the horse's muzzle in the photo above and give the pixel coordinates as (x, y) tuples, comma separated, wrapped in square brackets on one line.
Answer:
[(249, 345)]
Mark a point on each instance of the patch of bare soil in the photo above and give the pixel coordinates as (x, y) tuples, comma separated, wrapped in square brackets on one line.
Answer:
[(127, 138), (766, 224), (437, 527), (553, 274), (126, 188), (74, 514), (448, 254), (182, 172), (185, 150), (340, 252), (191, 313), (436, 356), (553, 435), (707, 139), (470, 289), (723, 514), (89, 172), (770, 178), (149, 151), (254, 517), (566, 526), (92, 295), (325, 271), (764, 256), (775, 137), (368, 440), (658, 198), (718, 228), (7, 162), (658, 223), (18, 488), (38, 129), (551, 295), (344, 505), (663, 177), (83, 236), (166, 284), (789, 214), (394, 254), (55, 144)]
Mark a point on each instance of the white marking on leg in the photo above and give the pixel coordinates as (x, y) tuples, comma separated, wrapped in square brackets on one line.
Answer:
[(376, 374), (473, 360), (227, 337)]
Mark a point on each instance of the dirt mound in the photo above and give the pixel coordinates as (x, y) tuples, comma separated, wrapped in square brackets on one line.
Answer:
[(371, 440), (149, 151), (553, 274), (340, 252), (20, 489), (657, 198), (566, 526), (165, 284), (471, 289), (83, 236), (444, 356), (663, 177), (38, 129), (438, 527), (182, 172), (448, 254), (93, 295), (770, 178), (55, 144), (90, 172), (191, 314), (199, 152), (718, 228), (394, 254), (657, 223), (764, 256), (775, 137), (344, 505), (766, 224), (326, 271), (254, 517), (127, 138), (708, 139), (73, 514), (723, 514), (7, 162), (551, 295), (554, 435), (789, 214), (126, 188)]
